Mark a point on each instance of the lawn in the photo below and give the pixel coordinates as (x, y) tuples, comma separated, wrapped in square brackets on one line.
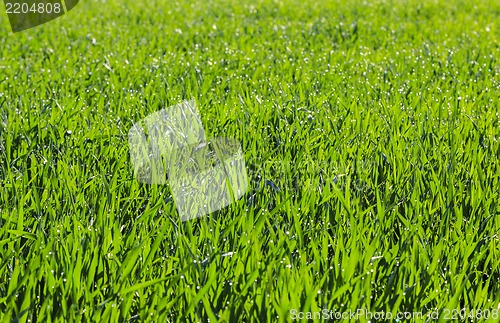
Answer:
[(370, 131)]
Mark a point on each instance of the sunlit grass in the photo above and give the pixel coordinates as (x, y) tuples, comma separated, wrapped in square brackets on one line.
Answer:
[(370, 132)]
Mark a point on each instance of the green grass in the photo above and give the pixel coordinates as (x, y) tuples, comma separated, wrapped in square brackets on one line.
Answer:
[(377, 121)]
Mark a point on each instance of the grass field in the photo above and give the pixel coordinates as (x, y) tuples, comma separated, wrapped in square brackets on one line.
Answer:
[(370, 131)]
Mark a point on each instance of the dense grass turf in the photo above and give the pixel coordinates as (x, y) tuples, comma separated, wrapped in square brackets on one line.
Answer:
[(371, 132)]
